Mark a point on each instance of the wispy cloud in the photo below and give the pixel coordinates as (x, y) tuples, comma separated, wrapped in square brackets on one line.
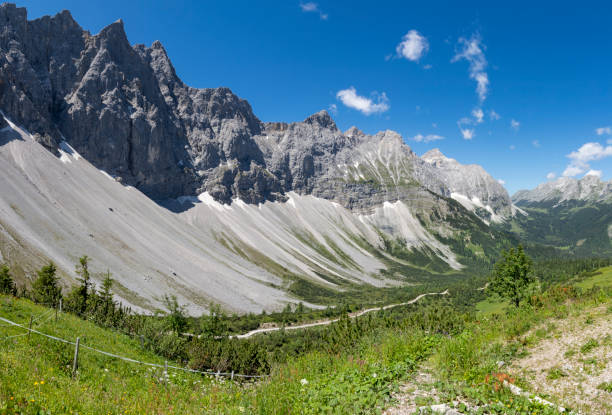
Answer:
[(536, 143), (515, 125), (472, 50), (333, 108), (311, 7), (478, 115), (427, 138), (603, 130), (494, 116), (581, 158), (502, 182), (551, 175), (512, 147), (413, 46), (377, 104)]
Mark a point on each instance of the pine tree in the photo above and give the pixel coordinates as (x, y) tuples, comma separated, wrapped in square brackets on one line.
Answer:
[(45, 289), (7, 286), (82, 269), (106, 295), (512, 275)]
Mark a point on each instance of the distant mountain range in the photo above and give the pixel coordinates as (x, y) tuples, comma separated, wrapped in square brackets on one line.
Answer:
[(106, 152), (588, 189), (574, 215)]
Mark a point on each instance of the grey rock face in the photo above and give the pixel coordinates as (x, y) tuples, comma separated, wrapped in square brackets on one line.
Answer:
[(589, 188), (126, 111)]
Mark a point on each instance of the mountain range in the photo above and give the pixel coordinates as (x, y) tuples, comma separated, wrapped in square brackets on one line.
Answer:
[(174, 189)]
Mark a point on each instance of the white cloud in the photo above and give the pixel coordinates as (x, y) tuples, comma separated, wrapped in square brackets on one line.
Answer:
[(478, 115), (536, 143), (581, 158), (609, 141), (427, 138), (515, 124), (493, 115), (367, 106), (604, 130), (472, 51), (333, 108), (502, 182), (467, 133), (413, 46), (311, 7), (551, 175), (589, 152), (572, 171), (592, 172)]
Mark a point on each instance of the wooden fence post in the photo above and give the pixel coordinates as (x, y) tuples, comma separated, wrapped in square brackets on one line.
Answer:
[(75, 363), (232, 375), (30, 328)]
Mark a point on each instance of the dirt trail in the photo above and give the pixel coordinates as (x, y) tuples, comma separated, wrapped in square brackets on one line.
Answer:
[(573, 359), (330, 321)]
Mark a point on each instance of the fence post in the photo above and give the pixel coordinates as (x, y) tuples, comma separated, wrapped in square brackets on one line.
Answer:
[(30, 328), (166, 372), (232, 375), (75, 363)]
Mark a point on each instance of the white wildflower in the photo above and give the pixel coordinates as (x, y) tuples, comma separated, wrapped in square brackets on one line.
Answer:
[(304, 382)]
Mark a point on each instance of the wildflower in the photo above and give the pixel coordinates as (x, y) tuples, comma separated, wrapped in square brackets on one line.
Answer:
[(374, 375), (241, 408), (304, 382), (35, 383), (42, 382)]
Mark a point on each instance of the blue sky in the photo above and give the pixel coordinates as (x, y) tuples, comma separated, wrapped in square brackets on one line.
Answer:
[(424, 69)]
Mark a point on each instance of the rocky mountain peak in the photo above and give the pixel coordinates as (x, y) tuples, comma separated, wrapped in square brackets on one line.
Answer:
[(322, 119), (435, 156)]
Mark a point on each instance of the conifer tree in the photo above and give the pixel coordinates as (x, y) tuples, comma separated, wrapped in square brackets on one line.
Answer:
[(46, 289), (7, 286)]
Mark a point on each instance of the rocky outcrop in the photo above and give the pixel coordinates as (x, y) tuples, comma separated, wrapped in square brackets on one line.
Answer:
[(469, 184)]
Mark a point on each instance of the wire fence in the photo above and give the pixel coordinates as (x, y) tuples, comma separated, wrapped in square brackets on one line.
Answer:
[(124, 358)]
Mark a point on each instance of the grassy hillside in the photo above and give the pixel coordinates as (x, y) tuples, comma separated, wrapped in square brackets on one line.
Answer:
[(359, 370)]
